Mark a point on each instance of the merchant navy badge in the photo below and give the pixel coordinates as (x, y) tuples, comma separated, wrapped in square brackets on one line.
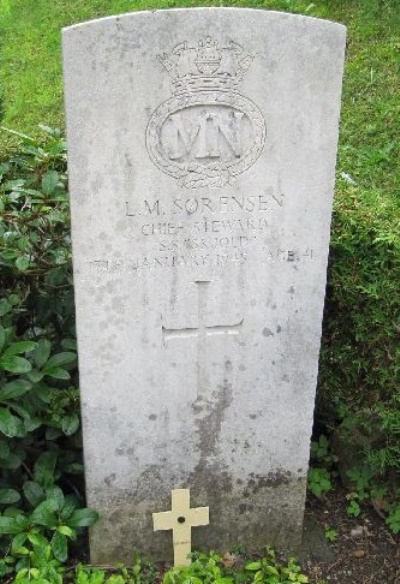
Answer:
[(207, 133)]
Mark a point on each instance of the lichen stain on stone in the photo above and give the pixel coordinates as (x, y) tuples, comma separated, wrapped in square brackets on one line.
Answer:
[(267, 332), (228, 365), (208, 477), (115, 534), (110, 479), (124, 450), (150, 485), (245, 508), (271, 480), (210, 423)]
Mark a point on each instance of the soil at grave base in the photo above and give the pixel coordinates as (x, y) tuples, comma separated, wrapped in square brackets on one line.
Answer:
[(370, 557), (365, 551)]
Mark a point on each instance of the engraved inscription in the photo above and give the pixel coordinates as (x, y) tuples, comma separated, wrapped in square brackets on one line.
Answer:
[(207, 134), (192, 229), (179, 259), (188, 206), (201, 332)]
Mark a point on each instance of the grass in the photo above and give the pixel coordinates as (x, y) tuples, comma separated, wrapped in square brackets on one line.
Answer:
[(31, 74)]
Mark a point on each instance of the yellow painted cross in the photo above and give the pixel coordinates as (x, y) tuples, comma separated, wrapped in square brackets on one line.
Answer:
[(181, 519)]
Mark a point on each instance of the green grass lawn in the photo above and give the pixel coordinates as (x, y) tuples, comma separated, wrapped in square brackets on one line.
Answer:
[(31, 75)]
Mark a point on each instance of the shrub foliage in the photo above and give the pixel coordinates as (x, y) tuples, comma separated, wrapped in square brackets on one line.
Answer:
[(40, 446)]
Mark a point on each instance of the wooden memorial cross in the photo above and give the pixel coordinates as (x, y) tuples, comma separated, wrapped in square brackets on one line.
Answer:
[(181, 519)]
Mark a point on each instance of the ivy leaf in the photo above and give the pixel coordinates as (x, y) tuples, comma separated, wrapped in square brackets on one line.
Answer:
[(10, 425), (65, 530), (75, 468), (14, 389), (44, 514), (71, 503), (9, 526), (60, 359), (69, 344), (11, 461), (4, 448), (20, 410), (52, 434), (56, 494), (33, 493), (14, 299), (14, 512), (9, 496), (2, 336), (15, 364), (32, 423), (44, 392), (5, 307), (59, 546), (20, 347), (42, 353), (44, 469), (58, 373), (35, 376), (38, 539), (83, 518), (253, 566), (70, 424), (22, 263), (18, 541)]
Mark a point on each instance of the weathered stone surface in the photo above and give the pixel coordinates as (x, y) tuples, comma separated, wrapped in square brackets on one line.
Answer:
[(202, 149)]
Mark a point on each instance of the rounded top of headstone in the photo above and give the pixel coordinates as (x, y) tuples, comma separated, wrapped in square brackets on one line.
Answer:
[(206, 12)]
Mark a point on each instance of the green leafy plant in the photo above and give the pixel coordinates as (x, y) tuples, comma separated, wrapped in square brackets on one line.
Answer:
[(367, 489), (393, 518), (321, 473), (319, 481), (39, 417), (362, 480), (142, 572), (211, 569), (42, 534), (331, 534), (353, 508), (320, 450)]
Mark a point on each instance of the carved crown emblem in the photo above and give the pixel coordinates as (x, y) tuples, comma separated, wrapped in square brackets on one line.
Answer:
[(207, 67), (207, 133)]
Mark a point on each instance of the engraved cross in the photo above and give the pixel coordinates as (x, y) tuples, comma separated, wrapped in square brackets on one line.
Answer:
[(201, 332)]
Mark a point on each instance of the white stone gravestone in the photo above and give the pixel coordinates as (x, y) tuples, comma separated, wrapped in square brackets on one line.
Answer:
[(202, 150)]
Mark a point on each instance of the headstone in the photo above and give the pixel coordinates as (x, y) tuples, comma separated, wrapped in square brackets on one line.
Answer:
[(202, 149)]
